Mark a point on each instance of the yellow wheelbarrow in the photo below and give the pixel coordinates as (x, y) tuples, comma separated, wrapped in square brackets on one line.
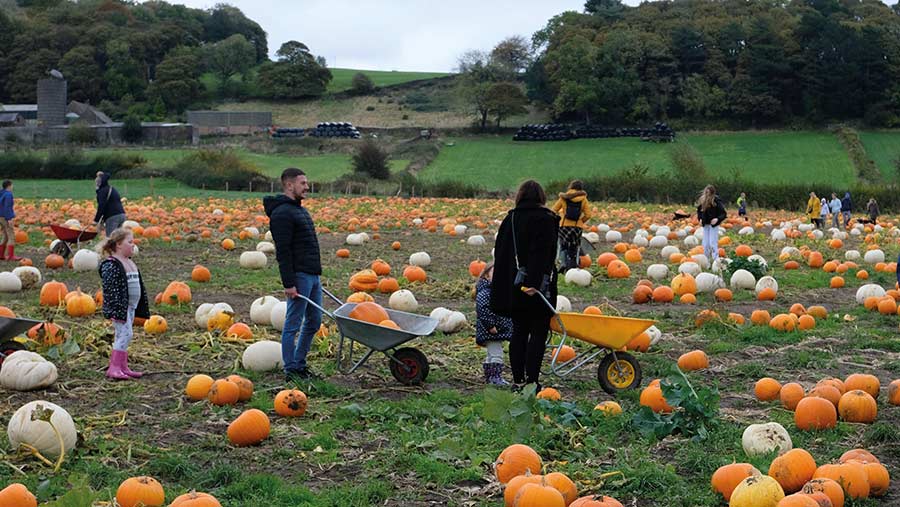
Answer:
[(618, 370)]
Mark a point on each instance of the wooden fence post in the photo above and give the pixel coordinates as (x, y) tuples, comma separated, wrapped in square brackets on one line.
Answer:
[(226, 186)]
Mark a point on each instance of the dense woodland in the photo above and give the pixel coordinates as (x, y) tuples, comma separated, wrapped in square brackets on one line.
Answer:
[(145, 58), (750, 62)]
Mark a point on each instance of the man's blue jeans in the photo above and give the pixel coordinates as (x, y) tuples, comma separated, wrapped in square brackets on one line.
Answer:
[(299, 311)]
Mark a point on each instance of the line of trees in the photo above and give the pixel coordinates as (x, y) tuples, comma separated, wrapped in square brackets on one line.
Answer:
[(147, 59), (720, 62)]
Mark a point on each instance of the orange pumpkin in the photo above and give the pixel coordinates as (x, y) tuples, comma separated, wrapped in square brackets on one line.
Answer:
[(222, 392), (200, 274), (343, 253), (198, 387), (369, 312), (515, 460), (852, 478), (17, 495), (476, 267), (618, 269), (813, 413), (829, 487), (863, 381), (53, 293), (767, 389), (239, 330), (250, 428), (195, 499), (54, 261), (414, 274), (365, 280), (245, 386), (381, 268), (793, 469), (663, 294), (290, 403), (727, 477), (694, 360), (140, 492), (652, 397), (894, 392), (791, 394), (760, 317), (857, 406), (388, 285)]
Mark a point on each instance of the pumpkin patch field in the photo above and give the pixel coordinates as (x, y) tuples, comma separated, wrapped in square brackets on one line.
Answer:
[(769, 377)]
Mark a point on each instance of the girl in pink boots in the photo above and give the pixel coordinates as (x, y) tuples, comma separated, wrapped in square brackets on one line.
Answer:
[(124, 297)]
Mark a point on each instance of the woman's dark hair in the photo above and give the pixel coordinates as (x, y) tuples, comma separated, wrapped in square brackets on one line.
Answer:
[(531, 191), (576, 185)]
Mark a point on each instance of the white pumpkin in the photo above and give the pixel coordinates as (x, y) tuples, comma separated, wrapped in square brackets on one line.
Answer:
[(279, 313), (130, 224), (691, 241), (252, 231), (654, 333), (403, 300), (701, 259), (30, 276), (817, 234), (657, 271), (805, 227), (265, 247), (563, 304), (261, 310), (691, 268), (604, 228), (869, 290), (460, 229), (766, 282), (760, 439), (873, 256), (268, 236), (852, 255), (742, 279), (613, 236), (218, 212), (253, 260), (778, 235), (790, 251), (355, 239), (207, 310), (449, 321), (421, 259), (668, 250), (579, 277), (39, 434), (759, 258), (264, 355), (709, 282), (662, 230), (745, 231), (9, 282), (640, 241), (592, 237), (658, 241), (417, 221), (85, 260), (855, 232), (25, 371), (476, 240), (72, 223), (720, 264)]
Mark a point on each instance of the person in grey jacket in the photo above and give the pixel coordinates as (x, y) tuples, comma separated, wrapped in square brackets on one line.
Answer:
[(835, 208), (300, 265)]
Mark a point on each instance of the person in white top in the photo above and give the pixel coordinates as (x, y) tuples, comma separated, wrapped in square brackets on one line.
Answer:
[(835, 206)]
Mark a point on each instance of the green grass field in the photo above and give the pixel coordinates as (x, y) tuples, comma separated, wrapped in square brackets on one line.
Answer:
[(884, 148), (341, 78), (500, 163)]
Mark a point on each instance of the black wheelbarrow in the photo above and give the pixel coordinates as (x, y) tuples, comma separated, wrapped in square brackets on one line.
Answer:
[(9, 329)]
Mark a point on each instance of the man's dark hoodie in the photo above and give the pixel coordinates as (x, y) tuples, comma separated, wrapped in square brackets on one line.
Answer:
[(296, 244), (109, 203)]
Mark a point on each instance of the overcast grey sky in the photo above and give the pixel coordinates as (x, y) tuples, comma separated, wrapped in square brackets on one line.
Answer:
[(411, 35)]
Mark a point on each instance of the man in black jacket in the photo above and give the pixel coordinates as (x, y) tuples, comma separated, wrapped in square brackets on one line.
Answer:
[(297, 251), (109, 204)]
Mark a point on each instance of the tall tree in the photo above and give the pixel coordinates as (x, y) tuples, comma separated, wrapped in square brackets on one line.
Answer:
[(231, 56), (84, 76), (512, 55), (225, 20), (177, 81), (296, 74), (505, 100)]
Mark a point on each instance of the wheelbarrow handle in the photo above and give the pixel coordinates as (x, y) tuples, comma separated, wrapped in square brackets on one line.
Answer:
[(318, 306), (551, 307)]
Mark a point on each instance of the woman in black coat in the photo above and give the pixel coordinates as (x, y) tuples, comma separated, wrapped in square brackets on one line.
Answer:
[(528, 232)]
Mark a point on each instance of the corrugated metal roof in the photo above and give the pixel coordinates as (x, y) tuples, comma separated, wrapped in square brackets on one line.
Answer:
[(9, 117), (18, 108)]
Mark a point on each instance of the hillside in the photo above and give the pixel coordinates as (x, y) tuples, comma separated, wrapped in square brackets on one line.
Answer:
[(341, 78)]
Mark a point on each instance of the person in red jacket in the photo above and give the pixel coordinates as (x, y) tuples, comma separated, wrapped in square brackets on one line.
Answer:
[(7, 214)]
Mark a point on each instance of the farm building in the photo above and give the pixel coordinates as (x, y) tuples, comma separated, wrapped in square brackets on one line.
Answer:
[(229, 122), (28, 111), (11, 120), (79, 112)]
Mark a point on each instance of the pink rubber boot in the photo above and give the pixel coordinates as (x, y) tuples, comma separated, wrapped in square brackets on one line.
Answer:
[(128, 371), (116, 360)]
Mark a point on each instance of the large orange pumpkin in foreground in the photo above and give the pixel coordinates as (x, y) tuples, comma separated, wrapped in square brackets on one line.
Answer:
[(140, 492), (250, 428), (17, 495), (516, 459)]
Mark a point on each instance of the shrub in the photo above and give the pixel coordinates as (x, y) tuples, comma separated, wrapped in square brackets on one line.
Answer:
[(372, 160), (361, 84), (12, 139), (67, 163), (370, 108), (131, 129), (81, 134), (216, 168), (865, 167), (687, 163)]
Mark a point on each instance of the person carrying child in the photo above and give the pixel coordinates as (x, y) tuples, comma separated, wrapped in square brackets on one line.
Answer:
[(491, 330), (124, 298), (574, 210)]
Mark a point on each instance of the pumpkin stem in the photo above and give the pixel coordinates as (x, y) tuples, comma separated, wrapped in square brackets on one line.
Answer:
[(36, 453)]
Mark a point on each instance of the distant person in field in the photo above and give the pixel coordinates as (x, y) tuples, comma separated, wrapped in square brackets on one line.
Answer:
[(124, 298), (300, 265), (574, 210), (813, 208), (742, 206), (711, 213), (491, 330), (835, 208), (872, 210), (7, 214), (823, 213), (525, 254), (846, 209), (109, 204)]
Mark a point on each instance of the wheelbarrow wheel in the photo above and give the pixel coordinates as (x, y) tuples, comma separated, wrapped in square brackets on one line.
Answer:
[(8, 347), (619, 372), (414, 367)]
